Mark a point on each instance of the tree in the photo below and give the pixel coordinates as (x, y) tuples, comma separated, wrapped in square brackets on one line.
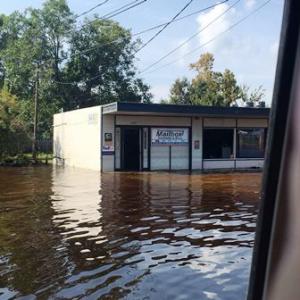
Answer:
[(101, 65), (230, 91), (13, 134), (204, 67), (180, 92), (58, 21), (97, 59), (254, 97), (210, 87), (33, 41)]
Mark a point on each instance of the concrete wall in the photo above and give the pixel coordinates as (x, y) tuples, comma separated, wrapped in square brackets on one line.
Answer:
[(218, 122), (245, 122), (108, 156), (76, 138), (197, 139), (252, 123)]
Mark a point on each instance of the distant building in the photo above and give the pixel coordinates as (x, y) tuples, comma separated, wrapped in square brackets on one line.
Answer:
[(147, 137)]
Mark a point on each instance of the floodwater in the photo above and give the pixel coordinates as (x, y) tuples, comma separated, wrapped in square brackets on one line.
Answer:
[(73, 234)]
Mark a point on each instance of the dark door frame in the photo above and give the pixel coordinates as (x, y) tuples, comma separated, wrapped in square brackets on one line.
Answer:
[(141, 144), (123, 145)]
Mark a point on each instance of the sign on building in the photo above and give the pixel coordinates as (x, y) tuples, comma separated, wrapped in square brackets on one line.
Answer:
[(170, 136), (108, 142)]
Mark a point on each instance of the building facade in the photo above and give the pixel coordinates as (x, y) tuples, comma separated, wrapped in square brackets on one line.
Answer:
[(152, 137)]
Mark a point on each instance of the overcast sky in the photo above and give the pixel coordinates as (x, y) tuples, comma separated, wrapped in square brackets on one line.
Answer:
[(249, 49)]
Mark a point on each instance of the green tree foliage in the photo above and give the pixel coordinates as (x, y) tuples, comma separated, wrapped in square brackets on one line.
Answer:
[(13, 133), (180, 91), (211, 88), (101, 62), (97, 59), (252, 98)]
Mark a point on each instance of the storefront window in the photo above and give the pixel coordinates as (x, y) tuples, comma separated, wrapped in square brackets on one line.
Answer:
[(218, 143), (251, 142)]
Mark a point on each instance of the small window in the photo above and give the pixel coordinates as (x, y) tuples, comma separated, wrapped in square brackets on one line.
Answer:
[(218, 143), (251, 142)]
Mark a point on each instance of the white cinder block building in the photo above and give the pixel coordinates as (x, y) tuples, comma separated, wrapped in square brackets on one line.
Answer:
[(147, 137)]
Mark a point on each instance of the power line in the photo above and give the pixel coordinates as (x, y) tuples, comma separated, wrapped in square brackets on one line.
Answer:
[(123, 8), (190, 38), (72, 83), (214, 38), (118, 40), (115, 12), (183, 17), (211, 40), (91, 9), (165, 26)]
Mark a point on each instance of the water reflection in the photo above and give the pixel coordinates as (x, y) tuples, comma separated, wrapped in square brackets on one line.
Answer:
[(69, 233)]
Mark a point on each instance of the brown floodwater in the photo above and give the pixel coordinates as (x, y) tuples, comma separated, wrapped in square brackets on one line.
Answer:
[(72, 234)]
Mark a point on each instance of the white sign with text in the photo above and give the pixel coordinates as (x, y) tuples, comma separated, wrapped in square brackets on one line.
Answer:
[(170, 136)]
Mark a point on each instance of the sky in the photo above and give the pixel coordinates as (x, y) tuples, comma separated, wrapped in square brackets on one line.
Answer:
[(249, 49)]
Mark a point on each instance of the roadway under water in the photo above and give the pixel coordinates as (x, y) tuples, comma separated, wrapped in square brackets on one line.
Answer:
[(72, 234)]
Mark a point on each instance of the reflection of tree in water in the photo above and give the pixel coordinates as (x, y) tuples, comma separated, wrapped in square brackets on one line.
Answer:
[(32, 252)]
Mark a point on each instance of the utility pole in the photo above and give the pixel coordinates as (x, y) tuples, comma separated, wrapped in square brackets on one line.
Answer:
[(35, 117)]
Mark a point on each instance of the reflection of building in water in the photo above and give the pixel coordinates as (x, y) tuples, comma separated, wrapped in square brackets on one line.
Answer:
[(131, 198), (76, 233), (77, 202)]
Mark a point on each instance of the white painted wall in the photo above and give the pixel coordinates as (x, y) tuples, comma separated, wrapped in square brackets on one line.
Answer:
[(250, 163), (218, 164), (153, 121), (76, 138)]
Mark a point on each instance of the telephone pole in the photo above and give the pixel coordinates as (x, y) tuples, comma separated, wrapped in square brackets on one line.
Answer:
[(35, 117)]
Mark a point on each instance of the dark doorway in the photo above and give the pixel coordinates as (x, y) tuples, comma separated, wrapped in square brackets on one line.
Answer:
[(131, 149)]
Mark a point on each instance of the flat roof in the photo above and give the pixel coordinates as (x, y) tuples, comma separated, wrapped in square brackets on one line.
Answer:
[(121, 108)]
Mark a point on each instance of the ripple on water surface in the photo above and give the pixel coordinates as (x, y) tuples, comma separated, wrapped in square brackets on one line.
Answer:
[(68, 233)]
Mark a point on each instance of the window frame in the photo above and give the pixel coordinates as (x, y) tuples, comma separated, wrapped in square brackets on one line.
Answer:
[(233, 144), (237, 150)]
